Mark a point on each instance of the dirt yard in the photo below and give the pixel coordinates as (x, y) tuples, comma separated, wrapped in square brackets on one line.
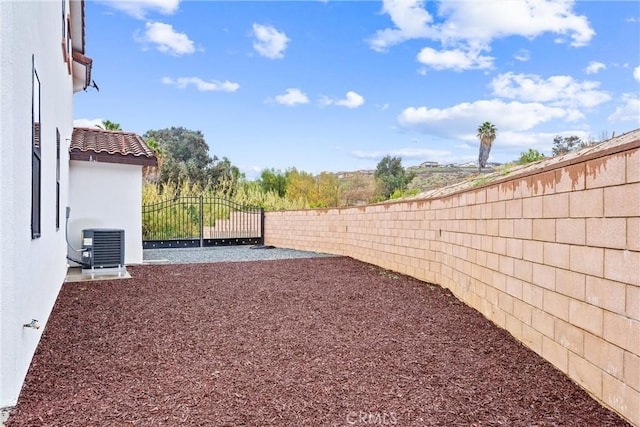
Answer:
[(302, 342)]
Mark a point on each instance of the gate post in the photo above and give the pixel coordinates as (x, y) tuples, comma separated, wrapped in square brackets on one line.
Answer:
[(201, 216), (262, 226)]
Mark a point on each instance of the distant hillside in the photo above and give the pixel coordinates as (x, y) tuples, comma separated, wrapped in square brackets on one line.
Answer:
[(429, 175)]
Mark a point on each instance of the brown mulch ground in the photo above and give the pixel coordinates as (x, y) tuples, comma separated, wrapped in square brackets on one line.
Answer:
[(305, 342)]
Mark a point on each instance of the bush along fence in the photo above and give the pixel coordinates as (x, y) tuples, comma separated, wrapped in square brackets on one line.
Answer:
[(552, 254)]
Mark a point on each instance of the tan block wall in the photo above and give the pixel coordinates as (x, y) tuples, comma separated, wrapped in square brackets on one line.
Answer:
[(553, 257)]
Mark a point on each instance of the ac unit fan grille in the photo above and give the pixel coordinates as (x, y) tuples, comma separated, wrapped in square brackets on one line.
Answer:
[(107, 248)]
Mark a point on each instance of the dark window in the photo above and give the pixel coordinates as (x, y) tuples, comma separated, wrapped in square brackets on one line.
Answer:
[(66, 36), (35, 152), (57, 179), (69, 38)]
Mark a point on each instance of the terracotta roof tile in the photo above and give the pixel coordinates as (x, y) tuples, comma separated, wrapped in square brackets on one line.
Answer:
[(110, 146)]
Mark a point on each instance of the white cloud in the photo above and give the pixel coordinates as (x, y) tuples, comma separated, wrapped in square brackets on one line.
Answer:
[(507, 116), (595, 67), (88, 123), (509, 145), (467, 28), (139, 8), (166, 39), (269, 41), (557, 90), (464, 146), (636, 73), (628, 110), (351, 100), (523, 55), (481, 22), (292, 97), (411, 20), (202, 85), (487, 20), (251, 172), (455, 59)]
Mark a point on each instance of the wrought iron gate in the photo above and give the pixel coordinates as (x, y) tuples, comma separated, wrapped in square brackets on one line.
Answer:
[(198, 221)]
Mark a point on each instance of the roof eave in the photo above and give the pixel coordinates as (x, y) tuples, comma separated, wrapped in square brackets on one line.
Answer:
[(81, 71), (92, 156), (82, 64)]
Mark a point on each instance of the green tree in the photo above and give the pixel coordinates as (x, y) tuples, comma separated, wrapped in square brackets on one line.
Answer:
[(224, 176), (301, 185), (566, 144), (328, 190), (530, 156), (187, 155), (487, 134), (273, 180), (391, 176), (109, 125)]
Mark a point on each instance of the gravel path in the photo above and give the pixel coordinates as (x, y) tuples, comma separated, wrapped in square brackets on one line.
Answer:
[(223, 254), (305, 342)]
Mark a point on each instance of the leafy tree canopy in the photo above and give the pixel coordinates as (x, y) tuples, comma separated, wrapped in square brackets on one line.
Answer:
[(328, 190), (273, 180), (224, 175), (391, 176), (301, 185), (186, 158), (565, 144)]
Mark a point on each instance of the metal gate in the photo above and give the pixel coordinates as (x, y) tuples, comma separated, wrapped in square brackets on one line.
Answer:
[(198, 221)]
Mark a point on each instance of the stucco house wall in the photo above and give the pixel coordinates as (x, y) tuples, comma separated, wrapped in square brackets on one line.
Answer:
[(106, 195), (32, 270)]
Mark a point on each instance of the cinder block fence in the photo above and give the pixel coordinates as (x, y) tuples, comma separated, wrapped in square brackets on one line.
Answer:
[(552, 254)]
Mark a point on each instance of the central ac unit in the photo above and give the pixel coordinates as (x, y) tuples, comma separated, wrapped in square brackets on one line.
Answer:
[(102, 248)]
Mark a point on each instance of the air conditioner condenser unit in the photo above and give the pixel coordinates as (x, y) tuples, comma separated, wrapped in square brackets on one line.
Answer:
[(102, 248)]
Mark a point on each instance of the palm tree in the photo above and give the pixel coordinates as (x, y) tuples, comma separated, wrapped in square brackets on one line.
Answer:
[(486, 134), (109, 125)]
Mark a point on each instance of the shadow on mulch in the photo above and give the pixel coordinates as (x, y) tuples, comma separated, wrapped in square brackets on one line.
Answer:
[(306, 342)]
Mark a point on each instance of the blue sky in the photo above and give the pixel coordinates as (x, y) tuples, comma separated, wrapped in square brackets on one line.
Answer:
[(337, 85)]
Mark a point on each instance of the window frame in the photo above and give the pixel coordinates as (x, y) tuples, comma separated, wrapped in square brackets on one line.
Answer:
[(66, 37), (36, 151), (57, 179), (69, 54), (64, 18)]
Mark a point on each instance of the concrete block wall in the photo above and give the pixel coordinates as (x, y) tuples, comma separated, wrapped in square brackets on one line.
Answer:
[(553, 256)]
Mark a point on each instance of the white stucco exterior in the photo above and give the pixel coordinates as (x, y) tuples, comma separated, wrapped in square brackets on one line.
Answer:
[(106, 195), (31, 270)]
